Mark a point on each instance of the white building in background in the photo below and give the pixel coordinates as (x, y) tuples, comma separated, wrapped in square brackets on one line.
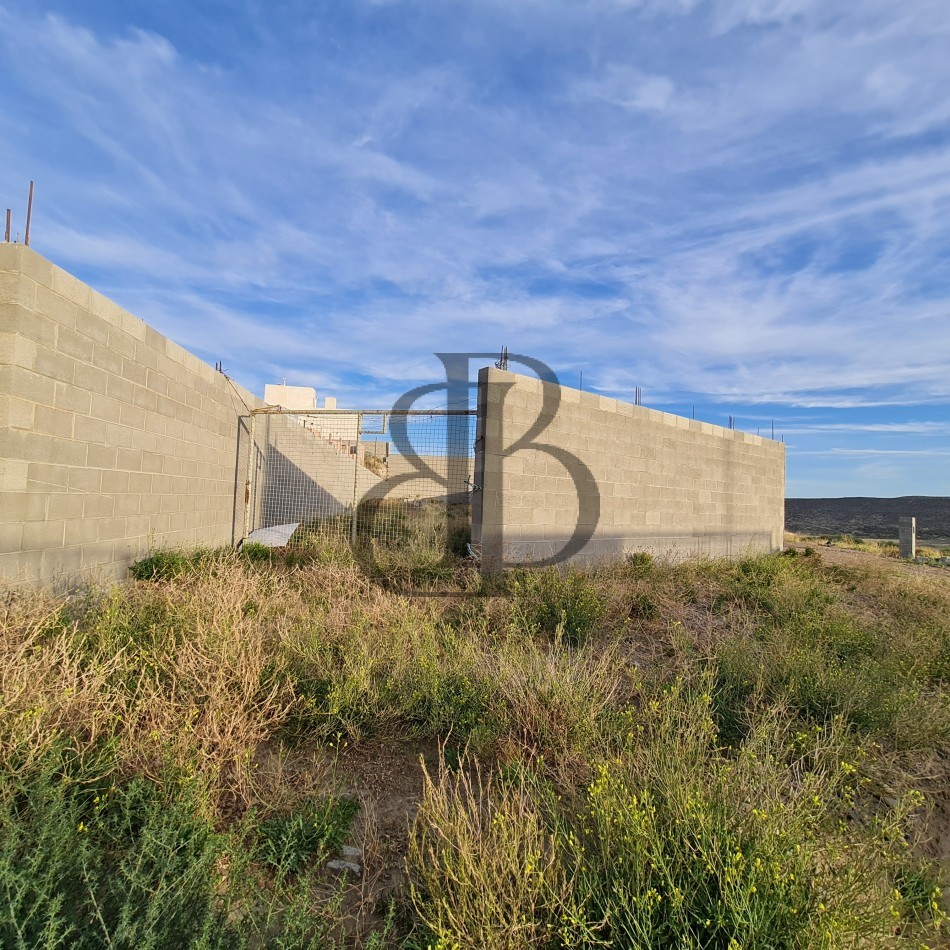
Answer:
[(295, 397)]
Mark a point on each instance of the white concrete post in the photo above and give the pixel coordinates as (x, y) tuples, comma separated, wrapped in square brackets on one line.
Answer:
[(907, 532)]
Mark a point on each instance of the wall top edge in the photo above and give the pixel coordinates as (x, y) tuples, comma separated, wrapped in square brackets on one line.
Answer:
[(617, 406), (24, 260)]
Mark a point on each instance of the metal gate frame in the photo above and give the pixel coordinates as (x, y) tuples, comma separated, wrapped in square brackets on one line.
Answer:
[(383, 415)]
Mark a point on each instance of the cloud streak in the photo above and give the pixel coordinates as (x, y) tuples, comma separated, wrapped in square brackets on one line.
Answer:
[(741, 203)]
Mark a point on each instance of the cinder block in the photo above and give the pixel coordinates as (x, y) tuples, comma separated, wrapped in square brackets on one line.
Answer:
[(150, 505), (11, 537), (162, 484), (101, 457), (140, 483), (30, 325), (13, 475), (132, 416), (90, 378), (22, 567), (119, 435), (120, 389), (98, 506), (48, 477), (120, 342), (74, 344), (152, 463), (156, 423), (138, 526), (72, 288), (85, 480), (107, 359), (63, 505), (144, 440), (26, 445), (127, 504), (22, 506), (62, 564), (133, 326), (51, 421), (54, 365), (134, 372), (19, 257), (157, 382), (89, 430), (111, 529), (145, 399), (147, 356), (39, 535), (105, 408), (16, 413), (93, 326), (168, 348), (72, 399), (16, 350), (98, 555), (56, 307), (81, 530), (16, 291), (129, 460)]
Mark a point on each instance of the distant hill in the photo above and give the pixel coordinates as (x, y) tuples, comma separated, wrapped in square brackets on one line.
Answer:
[(869, 517)]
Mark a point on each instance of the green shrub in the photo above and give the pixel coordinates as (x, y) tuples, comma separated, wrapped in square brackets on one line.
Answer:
[(643, 606), (640, 562), (166, 565), (93, 863), (674, 842), (314, 831), (161, 566), (555, 602), (687, 845), (809, 650), (257, 553)]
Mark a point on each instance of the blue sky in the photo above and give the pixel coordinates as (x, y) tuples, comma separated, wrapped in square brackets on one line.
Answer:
[(738, 205)]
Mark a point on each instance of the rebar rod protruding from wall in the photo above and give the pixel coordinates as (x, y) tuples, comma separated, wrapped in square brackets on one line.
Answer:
[(29, 216), (6, 233)]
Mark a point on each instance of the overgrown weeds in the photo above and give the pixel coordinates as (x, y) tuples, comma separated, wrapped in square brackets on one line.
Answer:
[(710, 754)]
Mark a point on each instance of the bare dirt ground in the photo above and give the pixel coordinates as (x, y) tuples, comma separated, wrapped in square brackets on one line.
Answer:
[(387, 778)]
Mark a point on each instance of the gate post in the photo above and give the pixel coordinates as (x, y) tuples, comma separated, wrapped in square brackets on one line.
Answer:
[(356, 471), (249, 482)]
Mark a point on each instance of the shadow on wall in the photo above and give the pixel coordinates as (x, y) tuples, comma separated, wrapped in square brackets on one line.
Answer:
[(288, 493), (670, 546)]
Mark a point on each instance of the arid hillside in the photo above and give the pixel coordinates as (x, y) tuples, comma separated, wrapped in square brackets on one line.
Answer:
[(869, 517)]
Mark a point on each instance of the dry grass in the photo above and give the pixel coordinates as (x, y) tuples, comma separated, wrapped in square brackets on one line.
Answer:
[(229, 683)]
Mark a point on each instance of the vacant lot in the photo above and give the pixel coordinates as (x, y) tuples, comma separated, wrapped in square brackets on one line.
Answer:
[(723, 755)]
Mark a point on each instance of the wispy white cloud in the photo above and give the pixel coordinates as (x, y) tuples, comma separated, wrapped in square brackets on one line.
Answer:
[(892, 428), (874, 452), (742, 198)]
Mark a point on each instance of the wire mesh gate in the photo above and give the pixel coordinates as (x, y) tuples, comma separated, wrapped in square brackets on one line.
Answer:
[(391, 478)]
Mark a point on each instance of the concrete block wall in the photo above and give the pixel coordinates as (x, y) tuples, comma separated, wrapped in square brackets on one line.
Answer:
[(303, 471), (619, 477), (113, 439), (455, 473)]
